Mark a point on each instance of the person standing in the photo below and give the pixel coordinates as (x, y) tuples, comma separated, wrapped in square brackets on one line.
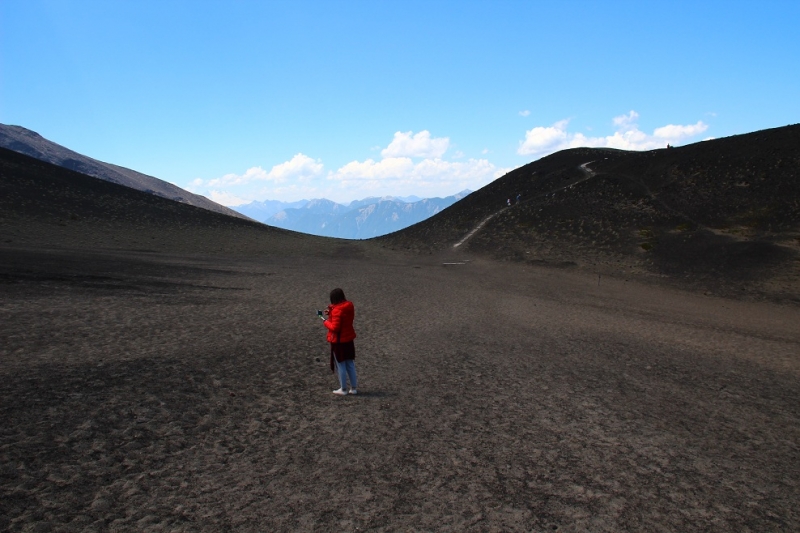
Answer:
[(341, 334)]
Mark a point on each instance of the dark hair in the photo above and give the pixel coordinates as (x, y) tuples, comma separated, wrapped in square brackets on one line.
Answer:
[(337, 296)]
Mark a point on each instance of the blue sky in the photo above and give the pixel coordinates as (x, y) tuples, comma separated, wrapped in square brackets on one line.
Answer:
[(255, 100)]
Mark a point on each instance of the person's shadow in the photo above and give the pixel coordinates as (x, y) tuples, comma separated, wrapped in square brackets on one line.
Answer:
[(373, 394)]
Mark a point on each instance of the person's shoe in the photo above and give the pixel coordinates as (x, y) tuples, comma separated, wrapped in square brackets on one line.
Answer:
[(353, 391), (340, 392)]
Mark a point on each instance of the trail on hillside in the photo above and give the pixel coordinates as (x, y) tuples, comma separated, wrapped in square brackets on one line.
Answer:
[(584, 167), (478, 227), (589, 174)]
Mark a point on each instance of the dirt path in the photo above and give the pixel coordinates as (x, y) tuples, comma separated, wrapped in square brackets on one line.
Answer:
[(584, 167), (589, 172), (478, 227)]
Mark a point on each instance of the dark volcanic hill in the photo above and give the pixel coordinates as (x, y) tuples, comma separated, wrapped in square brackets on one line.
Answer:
[(723, 214), (44, 205), (30, 143)]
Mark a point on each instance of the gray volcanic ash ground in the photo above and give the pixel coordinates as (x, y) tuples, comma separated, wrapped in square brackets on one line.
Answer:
[(146, 393)]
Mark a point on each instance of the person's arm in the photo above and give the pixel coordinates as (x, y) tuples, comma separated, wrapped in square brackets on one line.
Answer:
[(334, 321)]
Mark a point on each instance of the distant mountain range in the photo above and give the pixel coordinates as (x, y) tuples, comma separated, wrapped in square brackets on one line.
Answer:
[(360, 219), (32, 144)]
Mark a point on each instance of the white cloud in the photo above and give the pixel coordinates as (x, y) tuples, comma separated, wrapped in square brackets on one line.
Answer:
[(399, 174), (251, 174), (432, 176), (412, 164), (625, 121), (391, 167), (226, 198), (524, 113), (672, 131), (406, 144), (300, 167), (544, 140), (398, 169)]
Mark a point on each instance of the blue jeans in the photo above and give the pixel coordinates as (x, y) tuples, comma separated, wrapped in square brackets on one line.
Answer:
[(347, 368)]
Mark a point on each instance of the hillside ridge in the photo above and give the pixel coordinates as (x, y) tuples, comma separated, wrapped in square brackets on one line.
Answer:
[(723, 214), (30, 143)]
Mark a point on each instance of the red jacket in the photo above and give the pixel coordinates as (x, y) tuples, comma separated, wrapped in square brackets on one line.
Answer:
[(340, 322)]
